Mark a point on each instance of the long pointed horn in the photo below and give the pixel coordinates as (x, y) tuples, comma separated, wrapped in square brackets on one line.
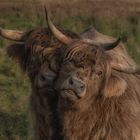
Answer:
[(126, 69), (110, 46), (97, 38), (122, 62), (105, 46), (14, 35), (59, 35)]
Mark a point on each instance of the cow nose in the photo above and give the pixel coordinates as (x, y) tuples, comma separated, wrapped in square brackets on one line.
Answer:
[(45, 79), (76, 84)]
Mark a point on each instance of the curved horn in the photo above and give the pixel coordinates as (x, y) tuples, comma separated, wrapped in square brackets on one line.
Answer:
[(14, 35), (59, 35), (110, 46), (122, 62), (125, 65), (126, 69), (105, 46)]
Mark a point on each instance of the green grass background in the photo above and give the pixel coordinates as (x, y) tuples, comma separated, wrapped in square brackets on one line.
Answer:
[(115, 18)]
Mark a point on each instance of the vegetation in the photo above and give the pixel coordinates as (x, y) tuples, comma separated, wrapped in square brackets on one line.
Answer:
[(109, 17)]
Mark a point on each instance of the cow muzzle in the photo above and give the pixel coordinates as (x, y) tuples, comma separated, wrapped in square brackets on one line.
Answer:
[(46, 79), (73, 86)]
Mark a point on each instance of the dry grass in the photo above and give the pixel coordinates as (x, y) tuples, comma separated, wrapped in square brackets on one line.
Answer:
[(64, 8)]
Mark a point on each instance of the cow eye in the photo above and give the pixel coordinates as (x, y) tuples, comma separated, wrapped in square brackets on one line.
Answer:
[(99, 73)]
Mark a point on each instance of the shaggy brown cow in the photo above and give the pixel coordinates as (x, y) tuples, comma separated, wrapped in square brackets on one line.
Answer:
[(99, 94), (34, 53)]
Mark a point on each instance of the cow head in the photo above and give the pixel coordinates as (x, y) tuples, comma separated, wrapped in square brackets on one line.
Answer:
[(33, 51), (86, 72)]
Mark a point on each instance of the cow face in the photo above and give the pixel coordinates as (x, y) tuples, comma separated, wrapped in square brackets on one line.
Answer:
[(44, 80), (46, 76), (82, 71)]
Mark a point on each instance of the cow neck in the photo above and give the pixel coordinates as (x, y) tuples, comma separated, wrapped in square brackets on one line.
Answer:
[(74, 120), (48, 101)]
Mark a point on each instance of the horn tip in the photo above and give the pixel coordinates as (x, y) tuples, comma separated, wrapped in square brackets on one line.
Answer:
[(47, 14), (119, 39), (45, 7)]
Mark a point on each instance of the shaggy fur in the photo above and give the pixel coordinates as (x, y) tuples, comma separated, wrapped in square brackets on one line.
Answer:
[(36, 56), (110, 110), (106, 118)]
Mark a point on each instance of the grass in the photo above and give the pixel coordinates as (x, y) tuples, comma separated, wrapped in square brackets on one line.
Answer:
[(109, 17)]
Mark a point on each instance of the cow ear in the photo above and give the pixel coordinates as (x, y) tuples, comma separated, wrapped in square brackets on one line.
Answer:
[(16, 52), (115, 86)]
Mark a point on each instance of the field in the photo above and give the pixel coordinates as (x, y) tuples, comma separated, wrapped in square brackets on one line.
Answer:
[(115, 18)]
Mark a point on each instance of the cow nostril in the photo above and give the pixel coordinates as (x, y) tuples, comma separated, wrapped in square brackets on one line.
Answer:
[(82, 87), (71, 81), (42, 78), (47, 77), (76, 83)]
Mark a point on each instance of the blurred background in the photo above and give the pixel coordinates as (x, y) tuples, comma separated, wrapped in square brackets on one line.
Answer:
[(111, 17)]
